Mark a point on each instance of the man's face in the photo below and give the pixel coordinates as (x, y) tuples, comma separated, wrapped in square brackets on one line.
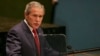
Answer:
[(35, 17)]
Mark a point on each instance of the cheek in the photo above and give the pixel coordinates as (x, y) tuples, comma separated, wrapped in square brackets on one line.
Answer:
[(41, 19), (31, 19)]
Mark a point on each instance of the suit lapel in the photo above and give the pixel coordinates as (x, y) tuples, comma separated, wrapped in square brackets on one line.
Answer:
[(31, 38), (29, 35)]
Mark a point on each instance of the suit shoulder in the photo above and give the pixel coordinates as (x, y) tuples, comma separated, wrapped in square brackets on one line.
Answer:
[(17, 27)]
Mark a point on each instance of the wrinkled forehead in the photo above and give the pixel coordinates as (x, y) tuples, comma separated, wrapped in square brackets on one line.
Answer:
[(37, 10), (37, 7)]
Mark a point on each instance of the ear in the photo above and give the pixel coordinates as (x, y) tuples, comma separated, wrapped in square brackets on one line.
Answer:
[(25, 15)]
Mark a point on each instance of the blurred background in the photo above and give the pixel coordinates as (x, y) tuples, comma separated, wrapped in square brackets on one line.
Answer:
[(79, 20)]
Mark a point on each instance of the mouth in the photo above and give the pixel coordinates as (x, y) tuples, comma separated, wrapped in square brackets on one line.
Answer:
[(36, 24)]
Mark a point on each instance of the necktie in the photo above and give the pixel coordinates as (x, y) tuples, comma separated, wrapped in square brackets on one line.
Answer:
[(37, 43)]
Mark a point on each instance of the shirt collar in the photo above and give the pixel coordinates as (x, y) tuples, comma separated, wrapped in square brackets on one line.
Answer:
[(28, 25)]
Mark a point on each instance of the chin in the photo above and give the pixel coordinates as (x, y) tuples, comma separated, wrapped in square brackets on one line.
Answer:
[(36, 27)]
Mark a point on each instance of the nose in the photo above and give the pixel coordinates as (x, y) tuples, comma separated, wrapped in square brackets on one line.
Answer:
[(37, 19)]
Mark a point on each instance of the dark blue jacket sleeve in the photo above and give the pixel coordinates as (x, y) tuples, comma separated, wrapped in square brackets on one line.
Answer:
[(13, 44)]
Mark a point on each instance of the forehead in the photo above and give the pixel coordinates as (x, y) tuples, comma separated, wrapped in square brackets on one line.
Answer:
[(37, 10)]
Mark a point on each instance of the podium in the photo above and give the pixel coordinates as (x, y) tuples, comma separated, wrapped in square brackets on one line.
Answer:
[(55, 36), (53, 29), (57, 41)]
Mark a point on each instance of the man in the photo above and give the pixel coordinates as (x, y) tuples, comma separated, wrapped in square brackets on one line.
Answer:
[(21, 38)]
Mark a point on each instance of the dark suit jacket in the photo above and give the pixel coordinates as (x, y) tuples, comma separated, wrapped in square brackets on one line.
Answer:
[(20, 42)]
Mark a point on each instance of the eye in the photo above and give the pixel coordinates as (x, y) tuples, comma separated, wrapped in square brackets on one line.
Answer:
[(40, 16), (34, 15)]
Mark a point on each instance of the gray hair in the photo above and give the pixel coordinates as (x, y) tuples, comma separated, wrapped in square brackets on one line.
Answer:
[(33, 4)]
